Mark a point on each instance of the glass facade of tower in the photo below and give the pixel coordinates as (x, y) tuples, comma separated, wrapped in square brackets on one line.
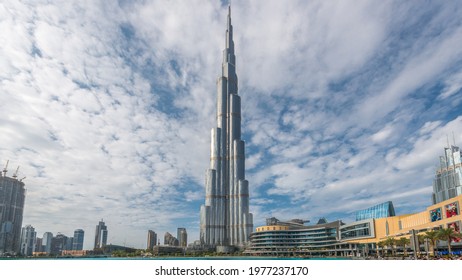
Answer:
[(225, 219), (100, 235), (182, 236), (78, 239), (46, 242), (382, 210), (12, 197), (448, 177), (59, 243), (28, 239), (152, 239)]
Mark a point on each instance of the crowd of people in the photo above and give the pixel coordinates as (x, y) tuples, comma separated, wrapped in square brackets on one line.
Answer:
[(420, 257)]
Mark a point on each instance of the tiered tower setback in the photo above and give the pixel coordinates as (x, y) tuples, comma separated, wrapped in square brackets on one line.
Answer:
[(225, 217)]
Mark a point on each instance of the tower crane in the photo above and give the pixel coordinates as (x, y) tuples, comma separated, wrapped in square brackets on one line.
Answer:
[(15, 175), (6, 168)]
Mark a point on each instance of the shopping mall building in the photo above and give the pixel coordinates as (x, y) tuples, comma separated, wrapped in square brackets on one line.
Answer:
[(359, 238), (372, 225)]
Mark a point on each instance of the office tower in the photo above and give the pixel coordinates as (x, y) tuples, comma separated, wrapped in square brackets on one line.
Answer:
[(182, 237), (152, 237), (170, 240), (225, 218), (448, 178), (100, 235), (46, 242), (69, 243), (38, 245), (12, 196), (58, 244), (78, 239), (28, 238)]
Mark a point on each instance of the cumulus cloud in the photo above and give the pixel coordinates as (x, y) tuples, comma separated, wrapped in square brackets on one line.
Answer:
[(108, 106)]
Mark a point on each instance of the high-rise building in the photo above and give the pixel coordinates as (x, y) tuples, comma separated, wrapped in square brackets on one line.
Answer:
[(100, 235), (448, 178), (28, 239), (182, 237), (38, 245), (46, 242), (225, 218), (58, 244), (78, 239), (170, 240), (152, 239), (69, 243), (12, 196)]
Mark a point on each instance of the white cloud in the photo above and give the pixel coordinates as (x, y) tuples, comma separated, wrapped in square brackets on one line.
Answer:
[(108, 107)]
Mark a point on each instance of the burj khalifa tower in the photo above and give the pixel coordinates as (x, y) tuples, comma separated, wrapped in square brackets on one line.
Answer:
[(225, 217)]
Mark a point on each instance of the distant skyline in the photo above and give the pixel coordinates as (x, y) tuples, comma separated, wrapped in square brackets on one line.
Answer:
[(107, 107)]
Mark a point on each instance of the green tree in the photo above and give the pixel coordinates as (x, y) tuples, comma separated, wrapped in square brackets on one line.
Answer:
[(433, 237), (390, 243), (448, 234), (380, 245), (403, 242), (421, 240)]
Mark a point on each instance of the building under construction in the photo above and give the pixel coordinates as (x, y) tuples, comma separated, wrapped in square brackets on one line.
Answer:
[(12, 196)]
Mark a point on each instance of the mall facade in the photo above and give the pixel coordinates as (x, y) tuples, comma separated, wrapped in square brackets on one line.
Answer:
[(358, 238), (372, 225), (367, 233), (294, 238)]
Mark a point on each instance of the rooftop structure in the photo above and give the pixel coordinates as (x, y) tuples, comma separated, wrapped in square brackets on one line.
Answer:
[(382, 210)]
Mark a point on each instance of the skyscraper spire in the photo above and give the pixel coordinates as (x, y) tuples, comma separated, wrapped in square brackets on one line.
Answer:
[(225, 217), (229, 15)]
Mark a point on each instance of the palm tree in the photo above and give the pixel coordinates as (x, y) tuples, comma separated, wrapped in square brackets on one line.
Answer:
[(448, 234), (403, 241), (433, 237), (380, 245), (390, 243), (421, 240)]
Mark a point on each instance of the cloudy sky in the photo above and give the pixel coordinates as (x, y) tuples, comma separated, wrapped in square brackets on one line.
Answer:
[(107, 107)]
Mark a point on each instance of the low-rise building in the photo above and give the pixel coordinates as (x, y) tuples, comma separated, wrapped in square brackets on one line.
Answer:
[(294, 238), (368, 233)]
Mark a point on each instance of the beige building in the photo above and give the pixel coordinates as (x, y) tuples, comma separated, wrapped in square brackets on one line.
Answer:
[(371, 231)]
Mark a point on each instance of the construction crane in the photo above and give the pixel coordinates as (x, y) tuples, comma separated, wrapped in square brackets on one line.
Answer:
[(6, 168), (15, 175)]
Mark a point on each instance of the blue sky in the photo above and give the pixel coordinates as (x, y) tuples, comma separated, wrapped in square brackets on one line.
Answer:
[(107, 107)]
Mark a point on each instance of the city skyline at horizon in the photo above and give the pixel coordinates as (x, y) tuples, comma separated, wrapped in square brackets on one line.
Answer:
[(107, 107)]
